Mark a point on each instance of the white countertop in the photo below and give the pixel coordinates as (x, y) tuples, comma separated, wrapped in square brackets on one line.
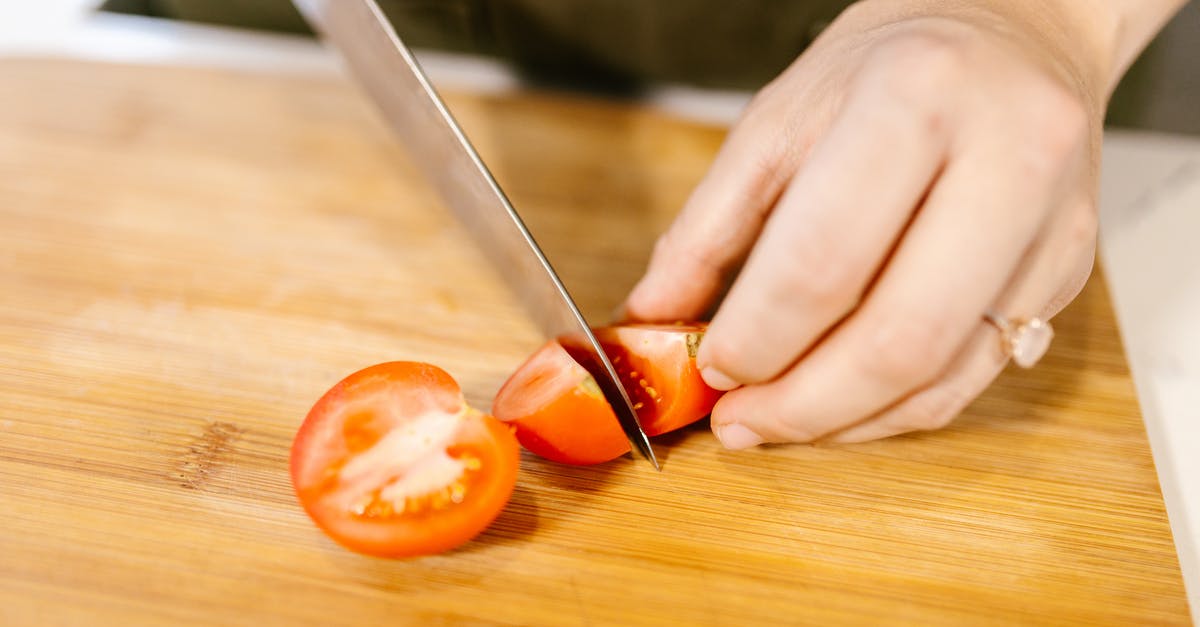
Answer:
[(1150, 246), (1150, 207)]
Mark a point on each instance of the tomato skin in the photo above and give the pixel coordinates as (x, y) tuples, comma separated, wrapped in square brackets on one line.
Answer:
[(360, 420), (560, 414)]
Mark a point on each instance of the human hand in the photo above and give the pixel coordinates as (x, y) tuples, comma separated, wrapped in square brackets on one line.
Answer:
[(919, 165)]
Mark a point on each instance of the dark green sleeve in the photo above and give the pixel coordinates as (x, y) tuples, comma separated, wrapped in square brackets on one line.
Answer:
[(704, 42), (622, 44)]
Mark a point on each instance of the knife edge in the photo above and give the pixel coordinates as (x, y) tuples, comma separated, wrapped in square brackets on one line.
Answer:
[(393, 77)]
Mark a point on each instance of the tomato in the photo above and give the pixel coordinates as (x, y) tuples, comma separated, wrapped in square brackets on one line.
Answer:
[(657, 366), (560, 413), (392, 462)]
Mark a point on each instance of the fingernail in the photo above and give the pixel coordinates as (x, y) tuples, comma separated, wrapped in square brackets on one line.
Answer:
[(736, 437), (718, 380)]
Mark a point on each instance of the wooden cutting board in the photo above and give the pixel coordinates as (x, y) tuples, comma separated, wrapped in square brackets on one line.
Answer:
[(189, 258)]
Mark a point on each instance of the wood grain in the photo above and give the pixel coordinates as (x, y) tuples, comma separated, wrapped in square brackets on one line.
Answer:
[(189, 258)]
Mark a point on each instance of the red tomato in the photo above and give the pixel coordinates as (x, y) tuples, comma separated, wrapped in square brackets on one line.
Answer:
[(392, 462), (560, 413), (657, 366)]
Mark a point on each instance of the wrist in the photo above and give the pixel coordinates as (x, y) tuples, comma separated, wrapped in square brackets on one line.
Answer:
[(1138, 22), (1088, 43), (1112, 32), (1075, 39), (1099, 39)]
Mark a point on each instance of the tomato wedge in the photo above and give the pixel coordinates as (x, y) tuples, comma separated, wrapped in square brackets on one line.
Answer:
[(657, 366), (392, 462), (560, 413)]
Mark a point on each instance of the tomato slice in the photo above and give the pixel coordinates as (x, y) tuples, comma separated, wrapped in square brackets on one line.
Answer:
[(392, 462), (560, 413), (657, 366)]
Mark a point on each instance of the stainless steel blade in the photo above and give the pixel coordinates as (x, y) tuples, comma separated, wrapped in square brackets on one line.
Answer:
[(392, 76)]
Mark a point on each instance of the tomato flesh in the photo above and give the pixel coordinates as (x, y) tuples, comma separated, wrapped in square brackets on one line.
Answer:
[(392, 462), (657, 366), (558, 410), (560, 413)]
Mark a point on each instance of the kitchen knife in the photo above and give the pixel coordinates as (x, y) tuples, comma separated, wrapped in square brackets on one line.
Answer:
[(391, 75)]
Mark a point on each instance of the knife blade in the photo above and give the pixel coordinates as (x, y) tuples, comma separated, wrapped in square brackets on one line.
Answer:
[(389, 72)]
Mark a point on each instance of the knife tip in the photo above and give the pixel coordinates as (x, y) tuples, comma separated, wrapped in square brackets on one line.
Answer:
[(648, 454)]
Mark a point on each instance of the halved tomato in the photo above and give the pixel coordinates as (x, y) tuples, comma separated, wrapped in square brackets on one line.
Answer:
[(560, 413), (392, 462)]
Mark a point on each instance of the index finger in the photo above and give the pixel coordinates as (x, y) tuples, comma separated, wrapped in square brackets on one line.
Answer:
[(718, 223)]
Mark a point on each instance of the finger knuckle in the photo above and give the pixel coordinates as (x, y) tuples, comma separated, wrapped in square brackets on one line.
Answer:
[(732, 201), (913, 74), (769, 172), (768, 123), (932, 410), (1058, 128), (919, 68), (815, 277), (697, 253), (785, 427), (778, 421), (1083, 227), (904, 350)]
